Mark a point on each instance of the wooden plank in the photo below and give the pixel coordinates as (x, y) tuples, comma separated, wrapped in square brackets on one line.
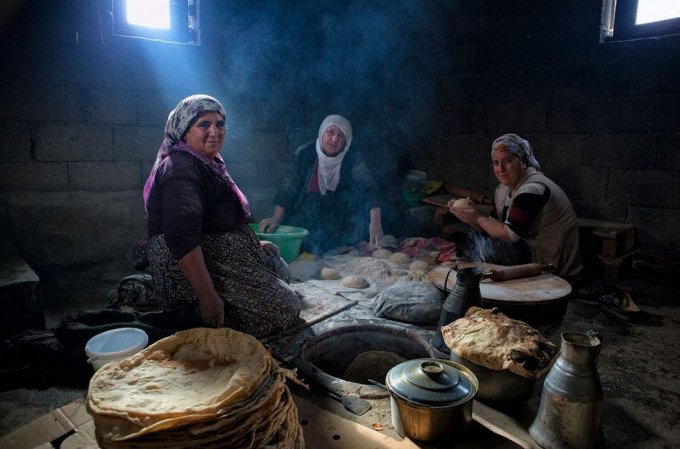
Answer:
[(441, 200), (503, 425), (592, 223), (324, 430)]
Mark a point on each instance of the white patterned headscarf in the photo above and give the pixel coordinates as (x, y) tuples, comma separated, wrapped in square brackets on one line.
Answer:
[(329, 166), (179, 121), (517, 147)]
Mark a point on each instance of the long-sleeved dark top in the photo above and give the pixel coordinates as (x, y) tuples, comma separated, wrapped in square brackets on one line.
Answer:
[(356, 180), (187, 200), (338, 217)]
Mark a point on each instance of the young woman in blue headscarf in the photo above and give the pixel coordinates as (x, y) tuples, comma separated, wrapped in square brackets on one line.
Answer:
[(533, 220), (201, 249)]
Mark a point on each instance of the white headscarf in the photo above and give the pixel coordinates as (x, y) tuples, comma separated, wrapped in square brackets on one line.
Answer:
[(329, 167)]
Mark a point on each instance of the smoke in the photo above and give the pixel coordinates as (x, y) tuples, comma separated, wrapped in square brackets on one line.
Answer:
[(375, 62)]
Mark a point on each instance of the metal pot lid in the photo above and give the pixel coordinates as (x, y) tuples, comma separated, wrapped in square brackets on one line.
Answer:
[(430, 382)]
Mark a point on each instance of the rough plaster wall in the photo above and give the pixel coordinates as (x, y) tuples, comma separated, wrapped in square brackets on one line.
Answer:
[(603, 119)]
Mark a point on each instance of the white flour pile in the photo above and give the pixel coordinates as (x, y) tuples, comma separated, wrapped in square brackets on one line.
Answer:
[(369, 267)]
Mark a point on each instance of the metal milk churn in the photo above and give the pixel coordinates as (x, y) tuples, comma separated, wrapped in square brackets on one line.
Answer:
[(463, 295), (570, 414)]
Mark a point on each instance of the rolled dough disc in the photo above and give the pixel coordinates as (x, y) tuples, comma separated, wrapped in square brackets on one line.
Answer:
[(353, 281), (328, 273)]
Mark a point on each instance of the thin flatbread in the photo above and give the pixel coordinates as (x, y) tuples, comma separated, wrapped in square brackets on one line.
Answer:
[(489, 338)]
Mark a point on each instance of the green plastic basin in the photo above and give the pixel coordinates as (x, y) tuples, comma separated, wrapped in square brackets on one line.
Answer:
[(287, 238)]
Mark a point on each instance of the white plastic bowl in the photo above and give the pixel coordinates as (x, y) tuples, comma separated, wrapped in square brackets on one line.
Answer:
[(115, 345)]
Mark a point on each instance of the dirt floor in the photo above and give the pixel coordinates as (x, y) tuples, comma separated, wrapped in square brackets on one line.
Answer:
[(637, 364)]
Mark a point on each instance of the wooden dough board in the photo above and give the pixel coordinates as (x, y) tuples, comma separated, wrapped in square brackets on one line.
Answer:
[(541, 289)]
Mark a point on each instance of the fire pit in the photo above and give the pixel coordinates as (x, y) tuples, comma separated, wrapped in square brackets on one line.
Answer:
[(343, 356)]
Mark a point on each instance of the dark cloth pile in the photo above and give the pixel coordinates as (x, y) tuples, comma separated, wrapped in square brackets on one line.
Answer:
[(43, 358)]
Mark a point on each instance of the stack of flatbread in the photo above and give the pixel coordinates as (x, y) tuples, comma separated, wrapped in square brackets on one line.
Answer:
[(489, 338), (200, 388)]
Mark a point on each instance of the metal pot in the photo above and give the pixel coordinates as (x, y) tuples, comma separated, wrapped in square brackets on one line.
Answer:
[(497, 385), (431, 399)]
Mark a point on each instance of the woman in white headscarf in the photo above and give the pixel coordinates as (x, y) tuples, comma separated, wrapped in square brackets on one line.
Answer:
[(330, 191), (533, 219)]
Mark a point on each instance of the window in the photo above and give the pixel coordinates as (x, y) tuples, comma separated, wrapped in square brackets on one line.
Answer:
[(632, 19), (163, 20)]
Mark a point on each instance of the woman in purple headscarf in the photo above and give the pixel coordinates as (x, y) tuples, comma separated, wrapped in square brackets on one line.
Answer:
[(533, 219), (201, 249)]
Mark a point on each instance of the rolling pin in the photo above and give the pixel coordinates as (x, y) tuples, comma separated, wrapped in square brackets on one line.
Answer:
[(516, 271)]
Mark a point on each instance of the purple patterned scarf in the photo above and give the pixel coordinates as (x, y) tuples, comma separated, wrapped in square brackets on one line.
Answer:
[(176, 127)]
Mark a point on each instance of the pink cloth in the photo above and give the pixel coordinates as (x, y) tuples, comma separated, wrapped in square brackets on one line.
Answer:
[(414, 246)]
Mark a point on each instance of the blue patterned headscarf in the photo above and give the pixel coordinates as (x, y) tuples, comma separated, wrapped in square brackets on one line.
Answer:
[(179, 121), (517, 147)]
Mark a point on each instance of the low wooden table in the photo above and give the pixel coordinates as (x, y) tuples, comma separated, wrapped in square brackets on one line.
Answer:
[(534, 299)]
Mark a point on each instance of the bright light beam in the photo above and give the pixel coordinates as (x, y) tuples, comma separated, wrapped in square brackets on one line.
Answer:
[(656, 10), (149, 13)]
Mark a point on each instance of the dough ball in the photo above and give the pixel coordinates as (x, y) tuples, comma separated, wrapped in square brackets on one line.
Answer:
[(328, 273), (462, 203), (418, 265), (353, 281), (400, 258), (427, 258), (381, 253)]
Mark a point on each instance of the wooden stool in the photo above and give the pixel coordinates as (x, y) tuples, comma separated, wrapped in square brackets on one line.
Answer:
[(618, 244)]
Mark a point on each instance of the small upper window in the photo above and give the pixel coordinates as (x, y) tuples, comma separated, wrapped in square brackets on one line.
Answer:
[(631, 19), (164, 20), (650, 11)]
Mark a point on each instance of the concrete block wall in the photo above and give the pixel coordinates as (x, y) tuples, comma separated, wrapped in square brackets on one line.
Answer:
[(427, 85), (603, 118), (82, 114)]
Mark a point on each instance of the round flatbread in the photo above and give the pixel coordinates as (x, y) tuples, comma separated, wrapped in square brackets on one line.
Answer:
[(489, 338), (188, 376)]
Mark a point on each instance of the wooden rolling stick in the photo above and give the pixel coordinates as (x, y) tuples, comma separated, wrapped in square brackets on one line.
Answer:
[(516, 271)]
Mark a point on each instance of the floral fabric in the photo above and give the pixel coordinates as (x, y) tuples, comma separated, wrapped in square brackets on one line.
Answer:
[(252, 284)]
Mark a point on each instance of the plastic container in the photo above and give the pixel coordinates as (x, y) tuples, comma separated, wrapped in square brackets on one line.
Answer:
[(115, 345), (287, 238)]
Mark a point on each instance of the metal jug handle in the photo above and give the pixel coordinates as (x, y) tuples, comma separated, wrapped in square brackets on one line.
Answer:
[(595, 333)]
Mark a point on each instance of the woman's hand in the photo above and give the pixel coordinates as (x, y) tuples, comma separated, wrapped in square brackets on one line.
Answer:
[(212, 310), (375, 230), (209, 302), (469, 215), (270, 248), (270, 224)]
